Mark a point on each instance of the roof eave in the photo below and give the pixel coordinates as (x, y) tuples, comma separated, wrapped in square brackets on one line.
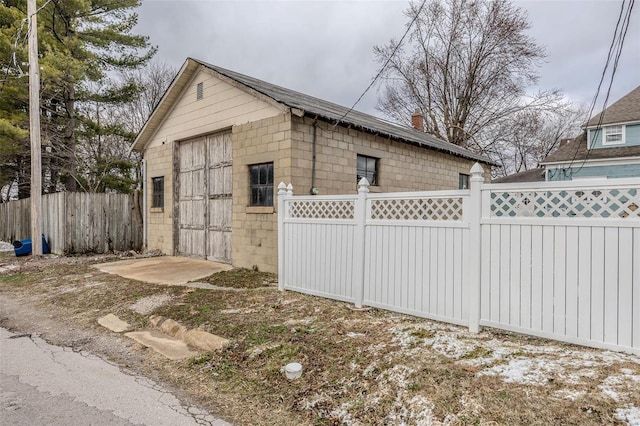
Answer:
[(413, 142)]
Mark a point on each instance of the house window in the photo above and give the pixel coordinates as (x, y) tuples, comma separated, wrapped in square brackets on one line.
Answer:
[(613, 135), (367, 167), (157, 198), (463, 181), (261, 182), (199, 91)]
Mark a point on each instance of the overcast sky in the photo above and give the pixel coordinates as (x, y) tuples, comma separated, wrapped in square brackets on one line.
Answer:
[(325, 48)]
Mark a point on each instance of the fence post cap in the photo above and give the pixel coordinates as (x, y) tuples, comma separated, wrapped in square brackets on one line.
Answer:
[(282, 188), (363, 185), (289, 189), (477, 171)]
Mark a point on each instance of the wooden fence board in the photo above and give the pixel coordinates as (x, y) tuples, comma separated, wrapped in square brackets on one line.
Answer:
[(78, 222)]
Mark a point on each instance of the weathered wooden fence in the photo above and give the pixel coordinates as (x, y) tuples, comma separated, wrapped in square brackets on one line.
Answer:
[(553, 259), (78, 222)]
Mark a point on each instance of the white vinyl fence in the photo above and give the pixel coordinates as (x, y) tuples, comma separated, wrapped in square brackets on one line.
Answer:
[(552, 259)]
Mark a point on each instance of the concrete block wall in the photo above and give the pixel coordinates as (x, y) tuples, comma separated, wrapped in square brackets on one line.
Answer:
[(159, 162), (254, 239), (401, 167)]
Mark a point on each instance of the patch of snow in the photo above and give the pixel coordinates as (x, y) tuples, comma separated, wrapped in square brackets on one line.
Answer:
[(4, 246), (570, 394), (630, 415), (352, 334), (420, 410), (396, 376), (619, 387), (526, 371)]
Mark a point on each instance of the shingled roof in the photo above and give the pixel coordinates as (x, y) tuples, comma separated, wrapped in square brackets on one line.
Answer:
[(533, 175), (576, 150), (624, 110), (309, 106)]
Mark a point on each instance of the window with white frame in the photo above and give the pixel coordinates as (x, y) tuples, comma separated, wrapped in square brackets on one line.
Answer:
[(613, 135)]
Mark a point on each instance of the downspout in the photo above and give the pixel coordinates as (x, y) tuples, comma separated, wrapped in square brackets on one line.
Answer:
[(314, 190)]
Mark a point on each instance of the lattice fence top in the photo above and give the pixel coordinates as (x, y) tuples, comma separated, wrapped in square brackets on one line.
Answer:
[(448, 208), (322, 209), (589, 203)]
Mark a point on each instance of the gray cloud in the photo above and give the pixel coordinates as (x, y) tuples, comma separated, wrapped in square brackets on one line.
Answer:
[(325, 48)]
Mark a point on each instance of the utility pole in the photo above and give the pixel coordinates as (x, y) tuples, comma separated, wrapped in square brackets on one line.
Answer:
[(34, 128)]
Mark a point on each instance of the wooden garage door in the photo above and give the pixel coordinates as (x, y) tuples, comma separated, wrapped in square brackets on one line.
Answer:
[(205, 182)]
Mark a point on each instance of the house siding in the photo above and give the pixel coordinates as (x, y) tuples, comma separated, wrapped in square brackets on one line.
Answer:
[(402, 167), (222, 106), (159, 220), (632, 137), (611, 171), (254, 238)]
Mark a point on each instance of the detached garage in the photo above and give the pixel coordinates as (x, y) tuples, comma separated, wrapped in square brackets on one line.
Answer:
[(219, 142)]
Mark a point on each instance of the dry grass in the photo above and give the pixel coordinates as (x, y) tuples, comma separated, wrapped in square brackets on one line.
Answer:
[(360, 367), (241, 278)]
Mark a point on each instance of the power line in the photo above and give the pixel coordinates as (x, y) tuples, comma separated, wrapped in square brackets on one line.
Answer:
[(617, 44), (395, 49)]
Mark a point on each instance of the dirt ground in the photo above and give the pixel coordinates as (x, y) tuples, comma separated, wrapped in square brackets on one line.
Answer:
[(360, 367)]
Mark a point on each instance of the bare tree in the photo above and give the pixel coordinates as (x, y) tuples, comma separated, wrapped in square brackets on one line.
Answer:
[(154, 81), (466, 68), (527, 137)]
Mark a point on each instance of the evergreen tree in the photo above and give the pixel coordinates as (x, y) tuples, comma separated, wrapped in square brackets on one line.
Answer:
[(81, 44)]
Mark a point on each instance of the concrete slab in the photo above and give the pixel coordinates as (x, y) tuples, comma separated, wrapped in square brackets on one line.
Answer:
[(164, 344), (113, 323), (168, 270)]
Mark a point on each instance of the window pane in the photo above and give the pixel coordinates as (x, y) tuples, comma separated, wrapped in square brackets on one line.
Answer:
[(367, 167), (255, 175), (268, 196), (463, 181), (261, 184), (157, 197), (269, 174)]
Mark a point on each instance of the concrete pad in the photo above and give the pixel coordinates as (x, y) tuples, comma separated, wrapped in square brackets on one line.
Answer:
[(168, 270), (164, 344), (113, 323)]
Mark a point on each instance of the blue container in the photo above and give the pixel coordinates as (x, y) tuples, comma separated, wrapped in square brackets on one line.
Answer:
[(23, 248)]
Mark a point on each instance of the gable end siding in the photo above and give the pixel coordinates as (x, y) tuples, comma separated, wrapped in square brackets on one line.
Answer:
[(632, 137), (222, 106)]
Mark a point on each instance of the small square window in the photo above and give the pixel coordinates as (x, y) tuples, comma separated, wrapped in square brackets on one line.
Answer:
[(613, 135), (199, 91), (463, 181), (367, 167), (157, 198), (261, 184)]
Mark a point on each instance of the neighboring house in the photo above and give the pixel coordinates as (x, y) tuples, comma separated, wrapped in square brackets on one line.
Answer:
[(219, 142), (609, 147), (533, 175)]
